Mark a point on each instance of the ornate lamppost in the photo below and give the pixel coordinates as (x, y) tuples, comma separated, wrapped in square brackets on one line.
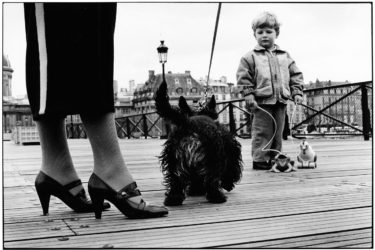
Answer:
[(162, 51)]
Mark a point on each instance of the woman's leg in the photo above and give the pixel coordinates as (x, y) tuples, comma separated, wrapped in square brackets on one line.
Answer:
[(109, 163), (56, 159)]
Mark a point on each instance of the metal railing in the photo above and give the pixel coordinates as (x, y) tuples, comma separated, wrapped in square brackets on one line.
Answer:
[(151, 125), (366, 119)]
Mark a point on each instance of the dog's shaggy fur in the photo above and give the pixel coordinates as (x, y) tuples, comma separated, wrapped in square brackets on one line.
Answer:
[(200, 156)]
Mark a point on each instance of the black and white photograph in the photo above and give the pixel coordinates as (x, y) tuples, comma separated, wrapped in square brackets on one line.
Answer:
[(200, 124)]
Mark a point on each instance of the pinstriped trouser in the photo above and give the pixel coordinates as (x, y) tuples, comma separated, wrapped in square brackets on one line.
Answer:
[(263, 129)]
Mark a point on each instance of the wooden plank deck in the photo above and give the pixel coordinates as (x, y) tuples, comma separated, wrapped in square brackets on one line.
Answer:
[(327, 207)]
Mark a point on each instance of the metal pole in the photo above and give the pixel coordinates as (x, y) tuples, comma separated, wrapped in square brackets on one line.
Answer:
[(128, 127), (163, 72), (365, 113), (71, 124), (232, 124), (145, 128)]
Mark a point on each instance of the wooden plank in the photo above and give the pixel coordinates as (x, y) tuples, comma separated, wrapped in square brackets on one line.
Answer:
[(342, 243), (204, 214), (198, 205), (216, 234), (304, 241), (368, 245), (37, 230), (254, 192), (249, 176), (243, 193)]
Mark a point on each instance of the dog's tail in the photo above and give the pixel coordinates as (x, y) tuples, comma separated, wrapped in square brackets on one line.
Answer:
[(164, 109)]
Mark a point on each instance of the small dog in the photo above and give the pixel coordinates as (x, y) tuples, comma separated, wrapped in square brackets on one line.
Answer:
[(200, 156)]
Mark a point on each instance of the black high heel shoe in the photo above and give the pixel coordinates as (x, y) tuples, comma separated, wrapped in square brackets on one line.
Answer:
[(46, 186), (99, 191)]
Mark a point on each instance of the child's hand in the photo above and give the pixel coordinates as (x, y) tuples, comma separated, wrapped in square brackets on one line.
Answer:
[(251, 103), (298, 99)]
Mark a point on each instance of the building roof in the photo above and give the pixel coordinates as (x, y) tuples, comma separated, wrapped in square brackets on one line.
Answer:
[(174, 81), (319, 84)]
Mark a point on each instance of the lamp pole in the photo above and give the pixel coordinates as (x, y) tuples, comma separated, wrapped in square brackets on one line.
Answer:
[(163, 51), (163, 72)]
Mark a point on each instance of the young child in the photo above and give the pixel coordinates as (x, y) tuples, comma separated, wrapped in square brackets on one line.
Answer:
[(270, 76)]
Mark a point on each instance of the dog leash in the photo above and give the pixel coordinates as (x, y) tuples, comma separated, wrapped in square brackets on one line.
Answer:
[(273, 136), (212, 52), (292, 119)]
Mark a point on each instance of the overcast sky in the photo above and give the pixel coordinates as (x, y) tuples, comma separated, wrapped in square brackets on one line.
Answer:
[(327, 41)]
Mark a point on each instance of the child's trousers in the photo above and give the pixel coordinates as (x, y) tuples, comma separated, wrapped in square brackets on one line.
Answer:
[(263, 129)]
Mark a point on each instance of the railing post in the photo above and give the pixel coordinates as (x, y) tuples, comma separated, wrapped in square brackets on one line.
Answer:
[(71, 124), (75, 131), (286, 130), (67, 130), (145, 128), (365, 113), (128, 127), (232, 124)]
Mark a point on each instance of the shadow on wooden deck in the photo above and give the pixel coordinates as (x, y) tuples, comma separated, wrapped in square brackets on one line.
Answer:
[(327, 207)]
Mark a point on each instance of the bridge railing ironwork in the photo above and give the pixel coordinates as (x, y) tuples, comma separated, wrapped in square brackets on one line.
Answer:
[(149, 124)]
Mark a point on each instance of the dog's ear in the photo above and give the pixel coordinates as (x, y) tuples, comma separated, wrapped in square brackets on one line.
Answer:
[(212, 103), (184, 106)]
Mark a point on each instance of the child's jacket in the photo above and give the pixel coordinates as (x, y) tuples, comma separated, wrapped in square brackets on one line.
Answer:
[(271, 77)]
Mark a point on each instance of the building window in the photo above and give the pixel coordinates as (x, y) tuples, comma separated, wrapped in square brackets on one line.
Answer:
[(176, 81), (179, 90), (188, 80), (194, 90)]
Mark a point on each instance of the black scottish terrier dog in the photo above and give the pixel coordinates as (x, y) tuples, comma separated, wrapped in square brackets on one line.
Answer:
[(200, 156)]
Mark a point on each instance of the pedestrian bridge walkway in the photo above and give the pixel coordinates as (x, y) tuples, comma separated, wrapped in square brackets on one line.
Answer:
[(327, 207)]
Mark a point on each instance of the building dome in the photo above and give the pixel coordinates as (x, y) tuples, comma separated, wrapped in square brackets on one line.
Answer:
[(6, 64)]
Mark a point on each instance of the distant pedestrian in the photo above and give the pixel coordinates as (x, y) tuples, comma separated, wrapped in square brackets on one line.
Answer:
[(269, 77), (69, 70)]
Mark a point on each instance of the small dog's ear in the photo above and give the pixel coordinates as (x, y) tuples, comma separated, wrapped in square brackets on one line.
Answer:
[(184, 106), (212, 103)]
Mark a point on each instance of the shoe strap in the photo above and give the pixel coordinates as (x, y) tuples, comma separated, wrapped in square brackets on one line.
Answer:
[(73, 184), (130, 190)]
